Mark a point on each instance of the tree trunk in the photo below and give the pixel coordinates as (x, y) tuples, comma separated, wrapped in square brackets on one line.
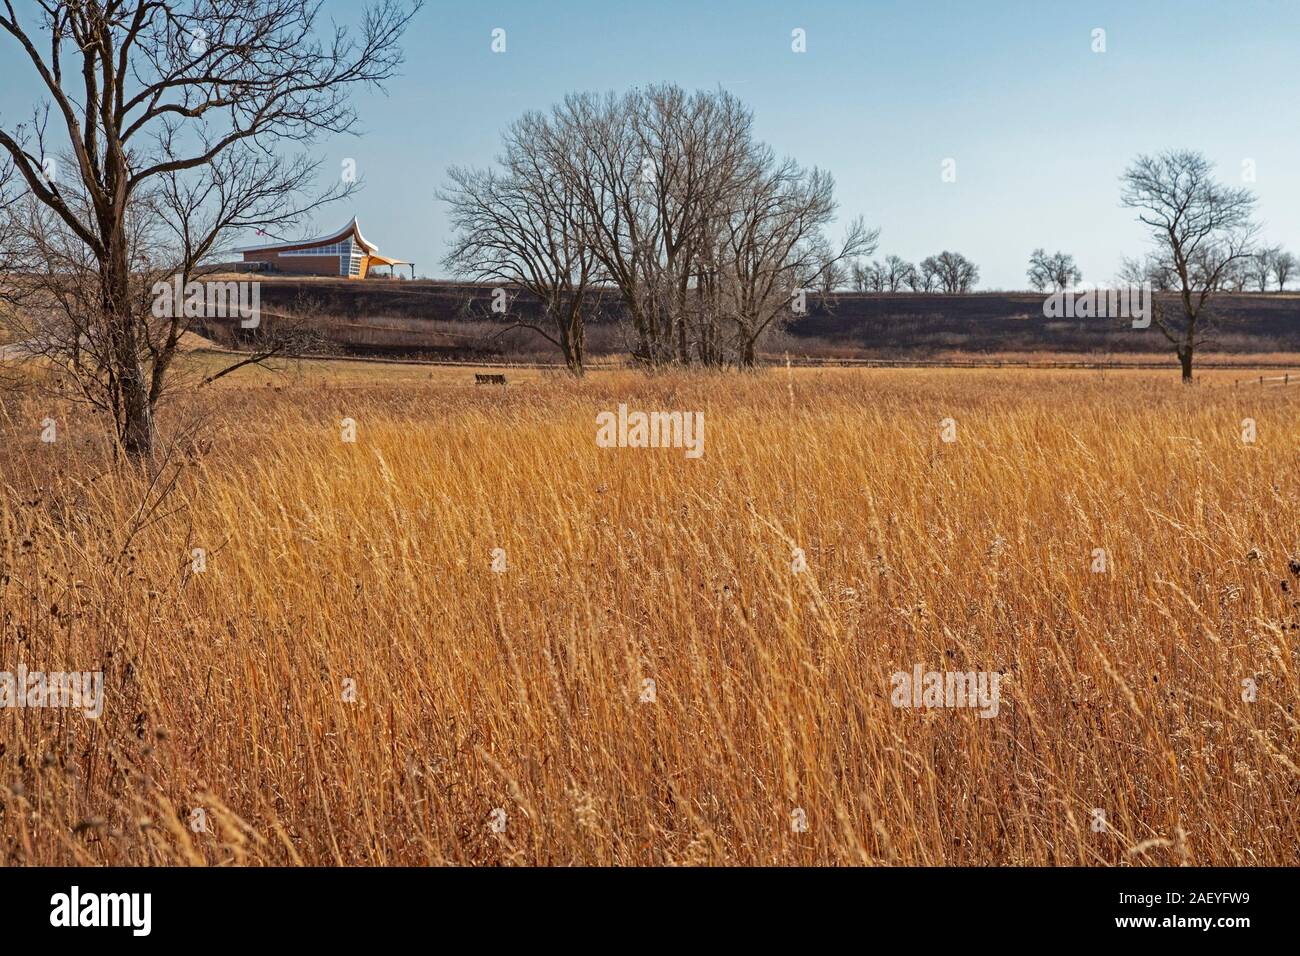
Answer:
[(576, 349), (1185, 359), (137, 423), (645, 351)]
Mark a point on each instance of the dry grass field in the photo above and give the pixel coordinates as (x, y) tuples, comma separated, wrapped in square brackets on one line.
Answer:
[(348, 681)]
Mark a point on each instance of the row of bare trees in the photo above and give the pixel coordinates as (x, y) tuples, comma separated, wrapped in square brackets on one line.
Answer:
[(1265, 269), (161, 137), (661, 201), (948, 272), (1270, 265)]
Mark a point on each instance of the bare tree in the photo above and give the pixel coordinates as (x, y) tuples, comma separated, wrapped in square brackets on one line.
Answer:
[(1056, 271), (910, 278), (153, 92), (1259, 265), (921, 279), (702, 232), (1235, 278), (876, 277), (774, 246), (8, 246), (1200, 228), (896, 271), (860, 276), (655, 169), (952, 272), (1284, 265), (12, 284), (825, 270), (606, 172), (523, 225), (868, 277), (695, 153), (62, 321), (1159, 273)]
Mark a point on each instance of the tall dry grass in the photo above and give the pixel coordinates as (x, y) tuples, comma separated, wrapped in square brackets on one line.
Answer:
[(330, 562)]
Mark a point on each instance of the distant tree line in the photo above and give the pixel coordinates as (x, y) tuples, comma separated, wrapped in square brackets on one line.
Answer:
[(1271, 265), (709, 239), (948, 272), (1265, 269)]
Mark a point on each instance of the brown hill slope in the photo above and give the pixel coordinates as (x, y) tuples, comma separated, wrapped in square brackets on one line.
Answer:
[(453, 320)]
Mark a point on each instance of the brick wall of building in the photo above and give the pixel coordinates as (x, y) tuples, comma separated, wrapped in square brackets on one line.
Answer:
[(297, 265)]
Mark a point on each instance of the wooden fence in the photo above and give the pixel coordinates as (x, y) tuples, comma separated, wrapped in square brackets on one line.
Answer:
[(1267, 381)]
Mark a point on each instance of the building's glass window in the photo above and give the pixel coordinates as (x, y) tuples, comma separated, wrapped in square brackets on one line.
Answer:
[(345, 248), (350, 255)]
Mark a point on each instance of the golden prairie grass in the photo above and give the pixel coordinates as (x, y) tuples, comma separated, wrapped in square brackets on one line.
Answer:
[(333, 566)]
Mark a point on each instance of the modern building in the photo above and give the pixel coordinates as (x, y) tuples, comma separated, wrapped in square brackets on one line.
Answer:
[(344, 252)]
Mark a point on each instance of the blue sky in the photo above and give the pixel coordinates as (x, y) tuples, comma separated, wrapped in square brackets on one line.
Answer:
[(1039, 125)]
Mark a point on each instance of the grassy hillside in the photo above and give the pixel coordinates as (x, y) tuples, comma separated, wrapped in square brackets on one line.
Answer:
[(453, 320)]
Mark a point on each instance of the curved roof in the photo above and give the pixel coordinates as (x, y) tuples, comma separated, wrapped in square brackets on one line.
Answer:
[(352, 228)]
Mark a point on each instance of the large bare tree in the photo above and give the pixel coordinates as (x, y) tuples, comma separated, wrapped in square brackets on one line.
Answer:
[(695, 152), (177, 108), (659, 198), (658, 169), (1201, 229), (522, 224)]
